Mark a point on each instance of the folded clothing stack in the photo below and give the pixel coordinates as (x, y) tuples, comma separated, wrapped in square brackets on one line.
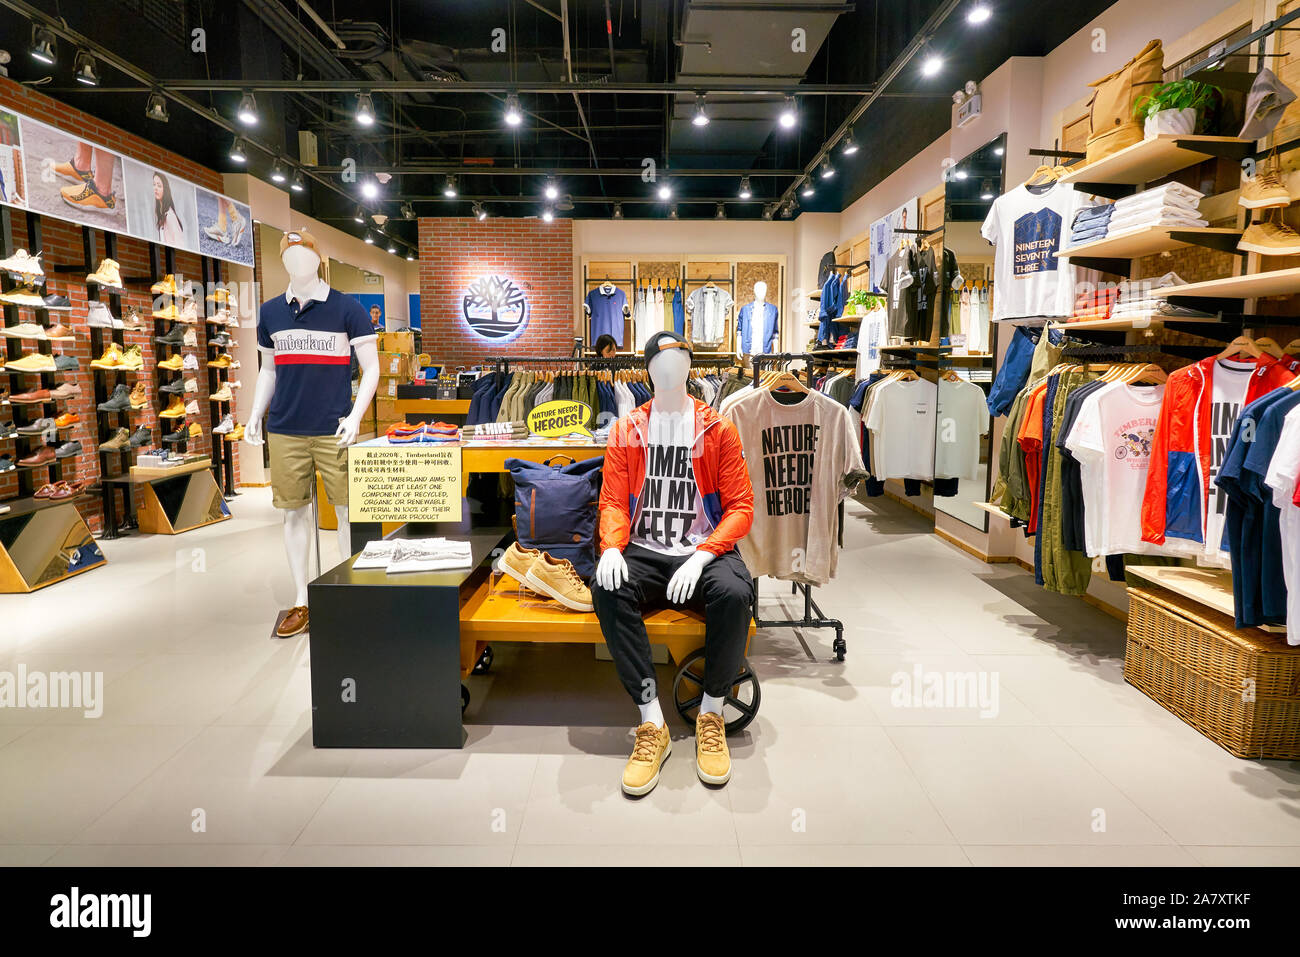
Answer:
[(1095, 305), (497, 431), (437, 433), (1172, 204), (1136, 299), (1091, 223)]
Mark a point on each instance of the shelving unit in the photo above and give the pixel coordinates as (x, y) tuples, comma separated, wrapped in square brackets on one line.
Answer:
[(1211, 587), (1120, 173), (1277, 282), (1114, 252), (223, 464), (1131, 323)]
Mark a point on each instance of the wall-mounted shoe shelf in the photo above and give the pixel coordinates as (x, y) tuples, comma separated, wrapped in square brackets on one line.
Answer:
[(1117, 175)]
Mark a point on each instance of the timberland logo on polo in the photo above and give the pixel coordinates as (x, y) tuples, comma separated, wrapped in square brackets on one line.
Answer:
[(75, 910), (292, 346), (53, 689), (946, 689)]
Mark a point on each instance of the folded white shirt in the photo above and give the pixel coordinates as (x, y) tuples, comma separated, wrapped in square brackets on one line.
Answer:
[(1163, 216), (1168, 190), (1140, 203)]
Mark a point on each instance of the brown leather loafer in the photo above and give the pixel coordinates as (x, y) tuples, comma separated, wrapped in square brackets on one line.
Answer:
[(295, 623), (31, 398), (42, 456)]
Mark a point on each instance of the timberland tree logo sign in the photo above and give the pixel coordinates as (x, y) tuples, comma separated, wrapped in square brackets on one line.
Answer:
[(495, 307)]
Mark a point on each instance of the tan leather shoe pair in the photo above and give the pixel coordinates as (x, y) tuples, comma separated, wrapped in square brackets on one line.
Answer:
[(653, 744)]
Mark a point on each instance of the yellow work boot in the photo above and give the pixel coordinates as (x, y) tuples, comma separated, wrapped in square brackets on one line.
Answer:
[(648, 754), (712, 759)]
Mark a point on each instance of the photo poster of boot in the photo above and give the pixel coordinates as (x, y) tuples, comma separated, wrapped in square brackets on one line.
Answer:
[(161, 208), (225, 228), (73, 179), (13, 188)]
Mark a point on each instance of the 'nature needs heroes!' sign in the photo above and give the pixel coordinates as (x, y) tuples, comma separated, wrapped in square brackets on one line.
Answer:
[(559, 418)]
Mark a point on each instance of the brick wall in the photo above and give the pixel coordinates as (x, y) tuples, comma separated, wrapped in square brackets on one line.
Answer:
[(62, 246), (536, 255)]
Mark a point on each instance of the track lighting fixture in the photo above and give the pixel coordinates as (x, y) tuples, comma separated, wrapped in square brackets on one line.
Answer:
[(410, 256), (978, 14), (156, 109), (237, 152), (551, 190), (986, 190), (618, 210), (359, 217), (370, 238), (665, 191), (247, 113), (721, 212), (277, 173), (370, 188), (931, 66), (672, 211), (827, 170), (449, 188), (408, 211), (365, 113), (298, 185), (787, 210), (808, 188), (701, 118), (392, 247), (43, 48), (479, 212), (547, 215), (514, 116), (768, 211), (959, 173), (745, 191), (788, 114), (84, 71), (850, 144)]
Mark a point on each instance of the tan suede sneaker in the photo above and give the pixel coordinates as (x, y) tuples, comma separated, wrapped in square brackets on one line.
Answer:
[(1270, 239), (558, 579), (712, 759), (1264, 191), (517, 560), (648, 753)]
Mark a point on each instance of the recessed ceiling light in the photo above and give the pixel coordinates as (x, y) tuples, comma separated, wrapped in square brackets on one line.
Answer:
[(247, 112), (701, 118), (931, 66), (514, 116), (978, 14), (745, 191), (788, 114), (365, 113), (85, 72)]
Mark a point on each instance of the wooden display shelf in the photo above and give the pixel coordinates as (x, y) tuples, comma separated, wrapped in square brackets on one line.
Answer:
[(142, 475), (492, 458), (1127, 323), (1211, 587), (1277, 282), (1156, 157), (1135, 243), (993, 510), (434, 407)]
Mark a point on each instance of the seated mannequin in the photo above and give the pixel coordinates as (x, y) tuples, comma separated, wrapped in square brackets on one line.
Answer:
[(676, 498), (305, 382)]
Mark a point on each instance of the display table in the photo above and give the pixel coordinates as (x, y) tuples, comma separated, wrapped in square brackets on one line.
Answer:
[(44, 542), (491, 456), (173, 500)]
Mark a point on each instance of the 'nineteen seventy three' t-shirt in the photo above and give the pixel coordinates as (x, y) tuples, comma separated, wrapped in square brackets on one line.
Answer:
[(311, 345), (1027, 226), (671, 520)]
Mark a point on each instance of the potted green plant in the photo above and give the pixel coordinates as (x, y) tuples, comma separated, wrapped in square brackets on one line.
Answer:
[(1176, 107), (858, 302)]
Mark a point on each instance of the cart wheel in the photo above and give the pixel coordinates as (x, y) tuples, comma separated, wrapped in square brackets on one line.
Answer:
[(464, 698), (484, 662), (840, 647), (742, 700)]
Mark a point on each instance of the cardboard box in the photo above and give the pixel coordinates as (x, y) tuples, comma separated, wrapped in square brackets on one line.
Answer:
[(385, 413), (397, 342), (395, 364)]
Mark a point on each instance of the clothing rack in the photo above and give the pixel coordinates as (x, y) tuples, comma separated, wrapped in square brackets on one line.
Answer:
[(1059, 154), (919, 232), (813, 617)]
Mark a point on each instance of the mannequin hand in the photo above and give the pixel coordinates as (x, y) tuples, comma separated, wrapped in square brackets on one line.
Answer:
[(347, 431), (612, 570), (682, 585), (253, 433)]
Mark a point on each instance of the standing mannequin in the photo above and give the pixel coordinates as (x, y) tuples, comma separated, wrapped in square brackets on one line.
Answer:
[(757, 323), (307, 335), (675, 500)]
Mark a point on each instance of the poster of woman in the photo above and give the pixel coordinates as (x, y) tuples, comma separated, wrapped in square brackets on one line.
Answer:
[(161, 208)]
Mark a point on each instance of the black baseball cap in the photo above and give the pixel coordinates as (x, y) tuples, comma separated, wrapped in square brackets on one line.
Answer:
[(665, 340)]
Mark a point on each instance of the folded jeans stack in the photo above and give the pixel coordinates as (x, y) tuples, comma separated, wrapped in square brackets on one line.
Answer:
[(1172, 204), (1091, 223)]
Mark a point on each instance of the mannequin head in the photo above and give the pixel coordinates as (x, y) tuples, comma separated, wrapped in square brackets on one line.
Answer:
[(300, 256), (668, 358), (760, 291)]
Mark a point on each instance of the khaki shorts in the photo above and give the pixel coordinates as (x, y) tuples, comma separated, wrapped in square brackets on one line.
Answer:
[(295, 459)]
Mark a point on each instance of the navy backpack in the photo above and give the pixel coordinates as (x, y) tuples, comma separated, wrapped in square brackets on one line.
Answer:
[(556, 508)]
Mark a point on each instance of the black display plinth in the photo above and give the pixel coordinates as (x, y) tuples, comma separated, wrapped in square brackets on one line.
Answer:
[(385, 652)]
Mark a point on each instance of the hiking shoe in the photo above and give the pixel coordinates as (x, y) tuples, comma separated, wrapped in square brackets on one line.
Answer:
[(220, 362), (226, 427), (1270, 239), (172, 337), (164, 287), (107, 274), (139, 397), (133, 320), (192, 407), (191, 385), (113, 358), (99, 317), (558, 579), (174, 388), (189, 313), (33, 362), (712, 759), (120, 441), (23, 296), (651, 747), (133, 359), (173, 411), (190, 338), (1264, 191), (64, 363), (180, 435), (190, 363), (237, 435), (119, 401), (517, 560), (196, 430), (140, 437), (222, 395), (25, 330), (172, 363), (22, 263), (167, 312)]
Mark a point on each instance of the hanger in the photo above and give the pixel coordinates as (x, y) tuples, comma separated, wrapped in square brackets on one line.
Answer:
[(1241, 345), (1048, 172), (1292, 348), (1270, 346)]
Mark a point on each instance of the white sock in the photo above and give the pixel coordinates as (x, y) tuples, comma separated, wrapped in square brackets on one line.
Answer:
[(652, 712), (712, 705)]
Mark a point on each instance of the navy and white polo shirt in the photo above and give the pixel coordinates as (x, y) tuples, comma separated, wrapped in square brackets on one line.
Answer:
[(312, 348)]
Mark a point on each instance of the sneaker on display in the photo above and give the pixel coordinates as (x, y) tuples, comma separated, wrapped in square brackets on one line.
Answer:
[(190, 363), (25, 330), (1270, 239), (1264, 190), (55, 303), (227, 425), (64, 363), (22, 263), (98, 316), (23, 296)]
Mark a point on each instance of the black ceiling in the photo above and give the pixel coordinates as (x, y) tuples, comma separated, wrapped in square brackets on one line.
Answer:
[(441, 44)]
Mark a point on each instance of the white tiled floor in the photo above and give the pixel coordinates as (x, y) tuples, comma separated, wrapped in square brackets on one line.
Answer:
[(203, 754)]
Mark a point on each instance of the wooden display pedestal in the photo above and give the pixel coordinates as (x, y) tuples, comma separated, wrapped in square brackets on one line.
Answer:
[(42, 543), (181, 503)]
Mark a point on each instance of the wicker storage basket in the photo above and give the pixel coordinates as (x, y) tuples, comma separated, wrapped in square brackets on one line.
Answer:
[(1193, 662)]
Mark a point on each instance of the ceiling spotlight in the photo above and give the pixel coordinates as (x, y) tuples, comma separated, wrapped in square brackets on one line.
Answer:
[(410, 256), (618, 210), (745, 191), (672, 211), (978, 14), (370, 238), (547, 215), (959, 174), (392, 247), (827, 170), (552, 190), (365, 114), (479, 212), (449, 188), (788, 115), (277, 173), (42, 48), (370, 188), (700, 118), (931, 66), (721, 212), (157, 108), (514, 116), (986, 190), (298, 185), (768, 211), (665, 191), (808, 188), (787, 210), (359, 217), (408, 211), (850, 144), (237, 152), (85, 69), (247, 113)]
